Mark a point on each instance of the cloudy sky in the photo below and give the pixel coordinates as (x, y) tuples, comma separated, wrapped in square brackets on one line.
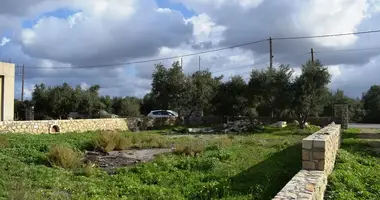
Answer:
[(57, 39)]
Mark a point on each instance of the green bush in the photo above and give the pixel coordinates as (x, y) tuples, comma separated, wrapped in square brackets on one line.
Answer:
[(190, 148), (144, 140), (109, 141), (64, 157), (122, 143)]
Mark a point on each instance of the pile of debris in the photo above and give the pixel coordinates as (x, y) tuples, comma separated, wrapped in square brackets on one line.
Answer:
[(238, 126), (243, 125)]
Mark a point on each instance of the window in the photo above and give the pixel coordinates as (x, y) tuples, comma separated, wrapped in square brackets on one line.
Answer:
[(156, 113), (163, 113)]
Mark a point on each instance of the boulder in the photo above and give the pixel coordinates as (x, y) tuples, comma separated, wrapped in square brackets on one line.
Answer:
[(243, 125), (280, 124)]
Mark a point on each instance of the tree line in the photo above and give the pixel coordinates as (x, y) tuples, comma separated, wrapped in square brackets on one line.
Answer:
[(272, 92), (56, 102)]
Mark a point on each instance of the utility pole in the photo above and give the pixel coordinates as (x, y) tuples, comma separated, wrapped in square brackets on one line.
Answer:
[(312, 55), (199, 64), (182, 62), (23, 82), (270, 53)]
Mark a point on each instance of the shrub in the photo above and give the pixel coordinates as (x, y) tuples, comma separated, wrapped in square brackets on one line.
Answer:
[(64, 157), (88, 170), (122, 143), (143, 140), (3, 142), (109, 141), (192, 148), (105, 142)]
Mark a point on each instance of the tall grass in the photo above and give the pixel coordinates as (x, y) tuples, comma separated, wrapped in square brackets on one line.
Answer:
[(109, 141), (64, 157)]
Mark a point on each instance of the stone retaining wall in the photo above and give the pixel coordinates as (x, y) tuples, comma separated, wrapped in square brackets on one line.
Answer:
[(318, 158), (63, 126)]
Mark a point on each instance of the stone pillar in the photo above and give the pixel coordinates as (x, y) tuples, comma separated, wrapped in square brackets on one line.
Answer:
[(341, 115)]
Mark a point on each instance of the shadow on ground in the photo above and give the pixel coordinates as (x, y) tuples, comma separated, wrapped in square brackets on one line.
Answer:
[(368, 136), (265, 179), (366, 142)]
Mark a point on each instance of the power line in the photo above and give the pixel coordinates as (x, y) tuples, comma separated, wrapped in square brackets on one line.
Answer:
[(157, 59), (295, 55), (346, 50), (326, 35), (259, 63), (211, 50)]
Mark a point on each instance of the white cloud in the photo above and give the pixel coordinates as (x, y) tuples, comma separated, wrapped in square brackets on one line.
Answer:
[(4, 41), (334, 16), (105, 32), (84, 86), (117, 31)]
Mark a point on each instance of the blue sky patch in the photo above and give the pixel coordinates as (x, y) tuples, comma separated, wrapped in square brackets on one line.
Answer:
[(176, 6), (62, 13)]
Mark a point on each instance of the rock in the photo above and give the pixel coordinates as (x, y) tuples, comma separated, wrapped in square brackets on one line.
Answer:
[(280, 124), (201, 130), (239, 126)]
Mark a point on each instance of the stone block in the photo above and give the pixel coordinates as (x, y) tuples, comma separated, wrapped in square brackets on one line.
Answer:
[(321, 165), (306, 155), (318, 155), (307, 144), (320, 144), (308, 165)]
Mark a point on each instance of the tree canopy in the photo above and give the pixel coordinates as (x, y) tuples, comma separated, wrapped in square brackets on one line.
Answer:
[(272, 92), (58, 101)]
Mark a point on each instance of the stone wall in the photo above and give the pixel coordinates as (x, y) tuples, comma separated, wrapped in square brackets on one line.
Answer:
[(212, 120), (63, 126), (319, 149), (318, 158)]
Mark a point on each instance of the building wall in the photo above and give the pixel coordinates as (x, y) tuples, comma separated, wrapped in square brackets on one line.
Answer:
[(7, 70), (1, 97), (318, 159), (63, 126)]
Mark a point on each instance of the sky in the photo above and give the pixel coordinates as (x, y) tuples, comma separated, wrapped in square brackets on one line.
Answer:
[(57, 40)]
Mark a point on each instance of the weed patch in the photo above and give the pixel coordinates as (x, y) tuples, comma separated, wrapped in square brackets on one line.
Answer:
[(205, 167), (190, 148), (3, 142), (107, 141), (357, 171), (64, 157)]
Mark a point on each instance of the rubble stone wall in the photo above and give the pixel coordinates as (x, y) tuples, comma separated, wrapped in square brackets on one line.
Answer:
[(318, 158), (212, 120), (63, 126)]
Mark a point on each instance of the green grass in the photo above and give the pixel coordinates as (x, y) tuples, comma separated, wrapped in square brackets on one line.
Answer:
[(357, 170), (252, 166)]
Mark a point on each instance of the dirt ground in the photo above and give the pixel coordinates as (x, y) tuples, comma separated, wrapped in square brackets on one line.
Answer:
[(117, 159)]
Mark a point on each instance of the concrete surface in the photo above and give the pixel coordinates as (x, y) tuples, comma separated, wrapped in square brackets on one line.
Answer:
[(358, 125)]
